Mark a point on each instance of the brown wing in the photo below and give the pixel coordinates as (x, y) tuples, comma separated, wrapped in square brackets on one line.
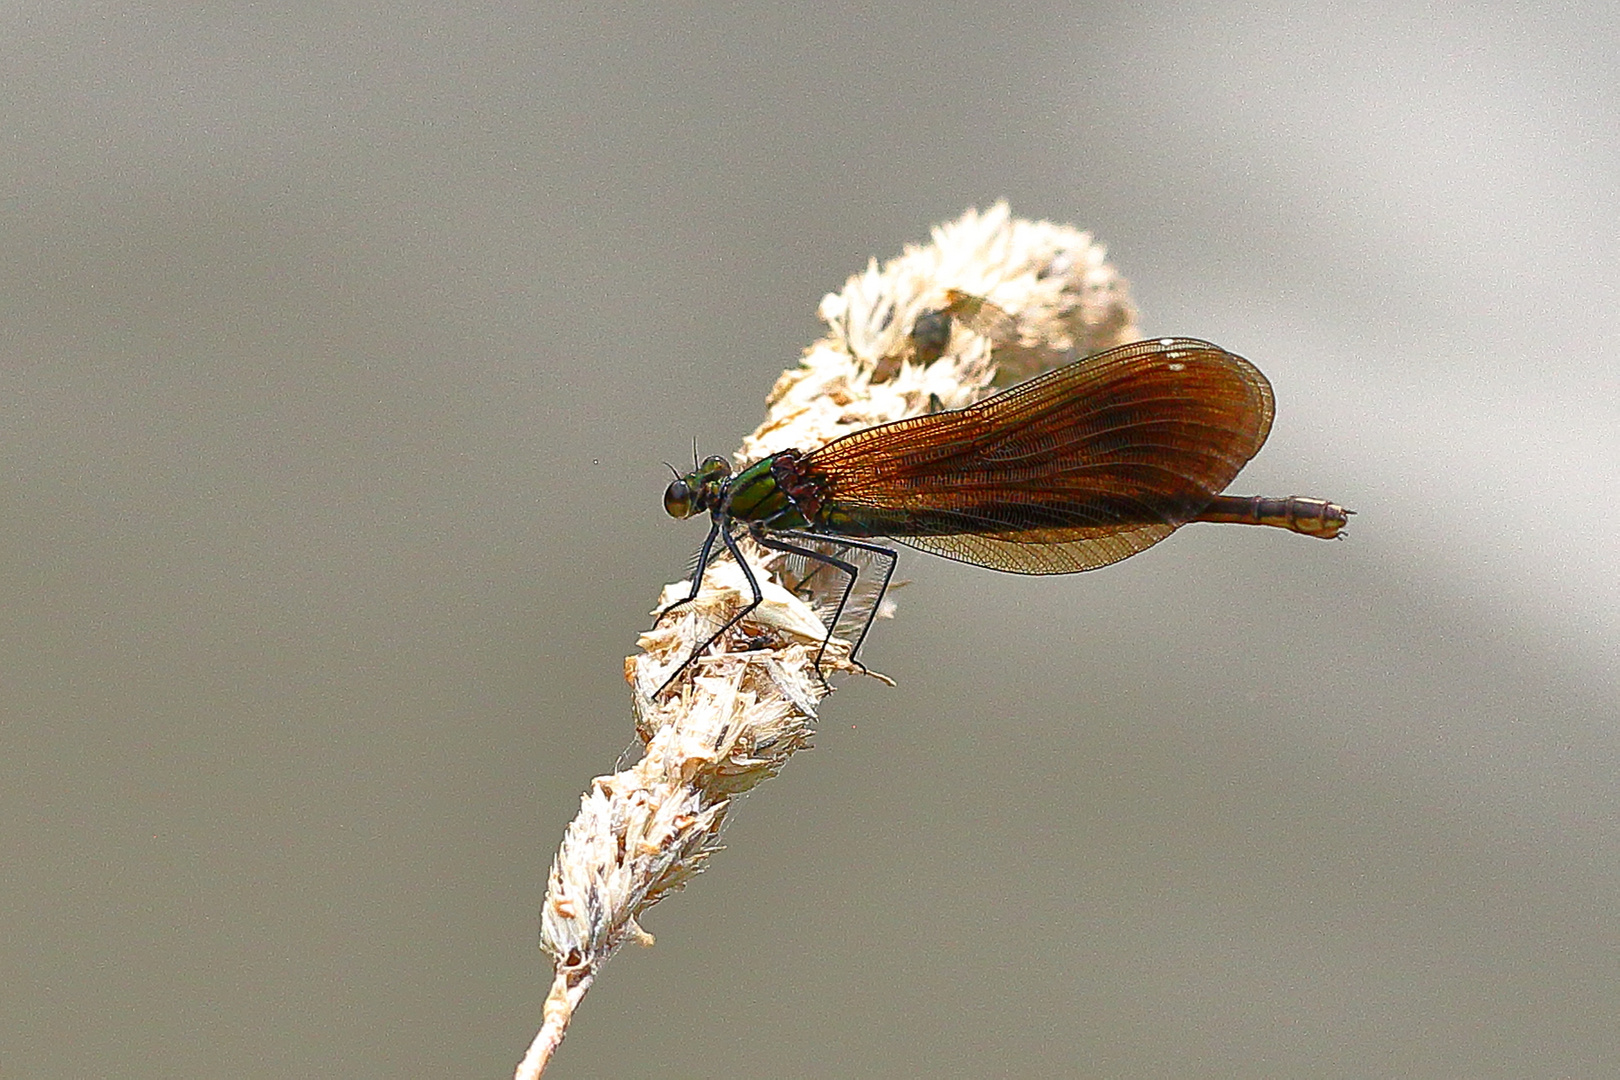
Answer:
[(1075, 469)]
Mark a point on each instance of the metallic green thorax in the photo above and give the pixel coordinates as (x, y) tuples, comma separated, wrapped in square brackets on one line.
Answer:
[(782, 493), (755, 495), (785, 504)]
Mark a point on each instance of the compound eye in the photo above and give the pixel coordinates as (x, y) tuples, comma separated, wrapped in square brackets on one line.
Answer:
[(714, 468), (678, 499)]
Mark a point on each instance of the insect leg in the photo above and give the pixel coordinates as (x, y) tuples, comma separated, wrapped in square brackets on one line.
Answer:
[(754, 601), (700, 565), (850, 571), (890, 558)]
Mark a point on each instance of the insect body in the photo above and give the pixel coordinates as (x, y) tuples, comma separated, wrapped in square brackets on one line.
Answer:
[(1072, 470)]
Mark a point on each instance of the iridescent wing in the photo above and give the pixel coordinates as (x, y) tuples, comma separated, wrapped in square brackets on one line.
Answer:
[(1072, 470)]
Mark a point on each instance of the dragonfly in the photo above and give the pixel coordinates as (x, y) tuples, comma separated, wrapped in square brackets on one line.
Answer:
[(1069, 471)]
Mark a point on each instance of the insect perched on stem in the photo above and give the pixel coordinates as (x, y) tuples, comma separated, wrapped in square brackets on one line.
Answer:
[(1072, 470), (931, 331)]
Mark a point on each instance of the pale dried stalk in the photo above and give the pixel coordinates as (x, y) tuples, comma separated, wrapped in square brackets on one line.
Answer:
[(644, 832)]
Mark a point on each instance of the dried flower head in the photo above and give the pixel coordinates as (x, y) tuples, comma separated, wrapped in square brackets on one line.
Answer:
[(749, 704)]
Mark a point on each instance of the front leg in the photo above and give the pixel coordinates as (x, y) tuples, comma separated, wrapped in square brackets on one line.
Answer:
[(705, 553), (756, 598)]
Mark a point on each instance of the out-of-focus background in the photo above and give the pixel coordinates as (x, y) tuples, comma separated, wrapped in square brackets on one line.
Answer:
[(341, 348)]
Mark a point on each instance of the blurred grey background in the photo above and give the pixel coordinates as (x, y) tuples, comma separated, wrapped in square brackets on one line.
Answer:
[(341, 346)]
